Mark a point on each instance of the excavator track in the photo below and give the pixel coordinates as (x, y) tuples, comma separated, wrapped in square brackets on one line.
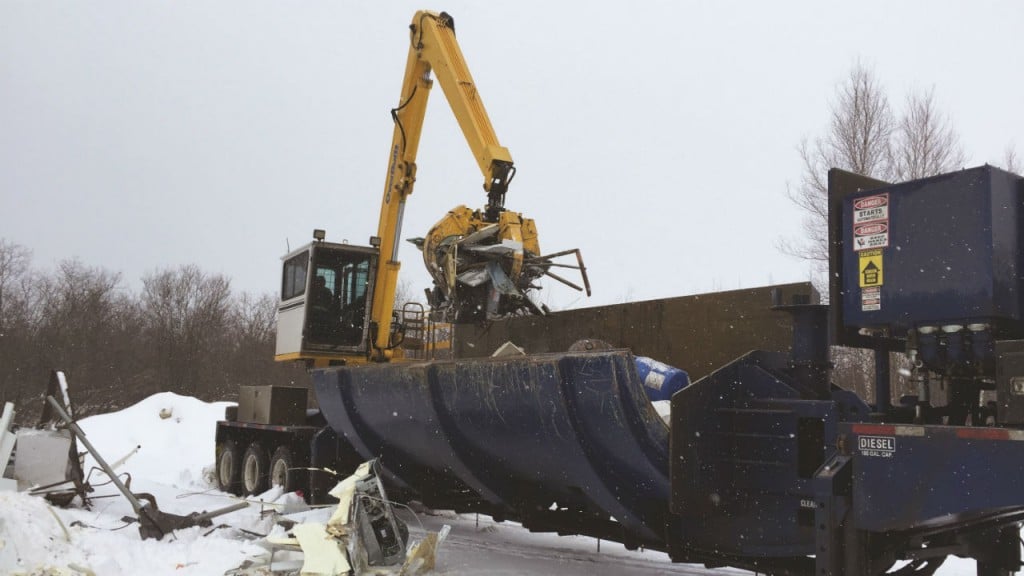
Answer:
[(567, 443)]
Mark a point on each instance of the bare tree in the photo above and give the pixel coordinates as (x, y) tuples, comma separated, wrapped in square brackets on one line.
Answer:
[(15, 326), (255, 316), (184, 332), (79, 331), (864, 136), (251, 361), (186, 314), (14, 265), (404, 294), (925, 142), (858, 137), (1010, 161)]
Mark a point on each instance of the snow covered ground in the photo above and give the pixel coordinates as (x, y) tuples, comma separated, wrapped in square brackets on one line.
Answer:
[(172, 462)]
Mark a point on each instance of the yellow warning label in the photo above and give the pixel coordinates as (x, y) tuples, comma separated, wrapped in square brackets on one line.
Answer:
[(870, 268)]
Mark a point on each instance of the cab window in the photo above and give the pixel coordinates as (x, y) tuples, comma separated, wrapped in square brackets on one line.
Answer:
[(294, 282), (337, 299), (354, 278)]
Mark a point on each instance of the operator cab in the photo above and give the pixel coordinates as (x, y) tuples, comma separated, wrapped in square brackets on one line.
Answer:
[(326, 292)]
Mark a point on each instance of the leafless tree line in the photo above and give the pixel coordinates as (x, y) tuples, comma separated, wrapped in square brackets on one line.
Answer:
[(866, 135), (184, 332)]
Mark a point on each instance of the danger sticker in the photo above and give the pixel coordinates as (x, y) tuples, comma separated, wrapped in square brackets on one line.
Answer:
[(877, 446), (871, 229), (871, 236), (871, 209), (871, 222), (871, 299)]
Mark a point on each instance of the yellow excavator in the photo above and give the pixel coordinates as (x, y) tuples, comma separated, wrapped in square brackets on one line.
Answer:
[(337, 300)]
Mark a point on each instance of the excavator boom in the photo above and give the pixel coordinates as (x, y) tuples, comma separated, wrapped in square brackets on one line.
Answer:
[(433, 49)]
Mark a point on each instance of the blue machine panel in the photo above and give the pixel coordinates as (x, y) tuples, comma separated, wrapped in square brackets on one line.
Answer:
[(936, 251), (911, 476)]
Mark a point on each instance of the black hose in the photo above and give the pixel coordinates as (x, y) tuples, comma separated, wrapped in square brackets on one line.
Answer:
[(397, 121)]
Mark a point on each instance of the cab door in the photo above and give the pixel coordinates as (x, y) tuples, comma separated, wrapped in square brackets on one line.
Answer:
[(291, 309)]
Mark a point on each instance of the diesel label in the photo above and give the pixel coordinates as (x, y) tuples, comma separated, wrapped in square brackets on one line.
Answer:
[(878, 446)]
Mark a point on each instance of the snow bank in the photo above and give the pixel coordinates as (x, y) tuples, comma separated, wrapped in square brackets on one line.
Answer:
[(172, 450), (28, 531), (32, 541)]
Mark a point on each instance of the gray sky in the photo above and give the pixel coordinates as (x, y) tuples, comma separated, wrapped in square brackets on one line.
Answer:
[(658, 137)]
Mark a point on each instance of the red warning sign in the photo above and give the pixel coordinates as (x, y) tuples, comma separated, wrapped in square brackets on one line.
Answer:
[(871, 229), (871, 209), (871, 222)]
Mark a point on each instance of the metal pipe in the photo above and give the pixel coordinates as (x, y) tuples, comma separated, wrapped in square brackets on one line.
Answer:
[(556, 254), (137, 506), (220, 512), (920, 378), (810, 354), (883, 387), (583, 271), (563, 280)]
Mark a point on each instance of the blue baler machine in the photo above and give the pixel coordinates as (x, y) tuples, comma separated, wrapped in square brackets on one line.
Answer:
[(771, 464)]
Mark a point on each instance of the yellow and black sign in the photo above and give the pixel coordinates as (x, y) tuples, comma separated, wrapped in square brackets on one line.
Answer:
[(870, 268)]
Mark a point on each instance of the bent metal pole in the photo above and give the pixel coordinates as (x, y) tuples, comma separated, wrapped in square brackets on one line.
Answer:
[(137, 506)]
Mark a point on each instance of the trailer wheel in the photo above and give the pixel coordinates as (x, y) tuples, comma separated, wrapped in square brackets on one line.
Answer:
[(281, 473), (255, 472), (229, 460)]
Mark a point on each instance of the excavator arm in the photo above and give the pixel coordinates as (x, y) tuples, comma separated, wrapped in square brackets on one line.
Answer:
[(433, 49), (484, 262)]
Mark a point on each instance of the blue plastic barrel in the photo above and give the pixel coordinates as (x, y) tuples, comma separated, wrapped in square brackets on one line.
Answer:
[(660, 380)]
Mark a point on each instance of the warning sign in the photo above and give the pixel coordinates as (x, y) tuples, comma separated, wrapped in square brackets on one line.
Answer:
[(869, 241), (871, 222), (870, 268), (871, 298), (871, 271), (871, 209), (872, 229)]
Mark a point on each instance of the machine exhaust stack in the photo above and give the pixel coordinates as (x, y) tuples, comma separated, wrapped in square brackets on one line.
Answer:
[(809, 358)]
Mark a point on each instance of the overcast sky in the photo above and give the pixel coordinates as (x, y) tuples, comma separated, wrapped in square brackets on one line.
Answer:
[(658, 137)]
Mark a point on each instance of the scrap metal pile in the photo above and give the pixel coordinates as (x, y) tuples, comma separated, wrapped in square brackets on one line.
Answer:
[(485, 268), (362, 537), (48, 465)]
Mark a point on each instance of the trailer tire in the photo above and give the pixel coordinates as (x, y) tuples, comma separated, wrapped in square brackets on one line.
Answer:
[(281, 472), (255, 470), (229, 466)]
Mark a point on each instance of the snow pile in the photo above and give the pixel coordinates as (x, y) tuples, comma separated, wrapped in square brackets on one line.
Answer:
[(29, 531), (172, 450), (33, 541)]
